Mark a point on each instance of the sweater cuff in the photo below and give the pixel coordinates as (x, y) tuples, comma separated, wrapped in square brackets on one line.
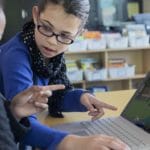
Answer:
[(58, 139), (19, 129)]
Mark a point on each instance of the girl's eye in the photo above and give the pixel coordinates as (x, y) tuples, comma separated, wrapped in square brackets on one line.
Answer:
[(64, 36), (46, 28)]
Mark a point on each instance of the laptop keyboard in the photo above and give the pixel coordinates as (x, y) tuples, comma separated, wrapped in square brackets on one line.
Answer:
[(110, 127)]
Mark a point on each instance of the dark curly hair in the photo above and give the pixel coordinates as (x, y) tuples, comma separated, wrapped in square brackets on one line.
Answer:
[(79, 8)]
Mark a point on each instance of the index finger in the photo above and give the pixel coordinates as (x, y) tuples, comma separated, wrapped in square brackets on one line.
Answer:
[(100, 104), (107, 106), (35, 89), (47, 90), (54, 87)]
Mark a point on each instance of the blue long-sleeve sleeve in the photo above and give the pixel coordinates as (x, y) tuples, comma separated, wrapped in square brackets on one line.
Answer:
[(71, 102), (42, 136)]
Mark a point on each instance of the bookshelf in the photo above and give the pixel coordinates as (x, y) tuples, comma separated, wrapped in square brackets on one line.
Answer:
[(137, 56)]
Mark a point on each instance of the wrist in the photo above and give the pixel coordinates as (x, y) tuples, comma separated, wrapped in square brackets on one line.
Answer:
[(68, 143), (82, 98), (13, 111)]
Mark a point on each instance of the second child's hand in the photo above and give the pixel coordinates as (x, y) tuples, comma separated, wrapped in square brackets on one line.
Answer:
[(95, 106), (32, 100)]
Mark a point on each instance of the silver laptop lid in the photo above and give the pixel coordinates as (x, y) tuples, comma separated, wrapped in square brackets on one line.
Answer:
[(138, 109)]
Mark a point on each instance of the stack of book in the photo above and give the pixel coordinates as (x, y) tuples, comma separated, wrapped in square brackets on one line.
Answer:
[(71, 65), (116, 62)]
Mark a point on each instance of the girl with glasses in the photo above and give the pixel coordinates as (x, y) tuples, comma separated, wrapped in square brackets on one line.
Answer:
[(35, 56)]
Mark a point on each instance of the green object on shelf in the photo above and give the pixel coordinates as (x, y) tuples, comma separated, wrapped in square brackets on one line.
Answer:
[(79, 38)]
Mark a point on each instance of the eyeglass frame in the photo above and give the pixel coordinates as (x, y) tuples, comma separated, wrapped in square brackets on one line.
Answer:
[(54, 34)]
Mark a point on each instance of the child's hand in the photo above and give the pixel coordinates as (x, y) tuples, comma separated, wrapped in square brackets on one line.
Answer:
[(95, 106), (32, 100), (96, 142)]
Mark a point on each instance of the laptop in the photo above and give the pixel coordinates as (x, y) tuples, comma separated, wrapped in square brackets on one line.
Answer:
[(132, 126)]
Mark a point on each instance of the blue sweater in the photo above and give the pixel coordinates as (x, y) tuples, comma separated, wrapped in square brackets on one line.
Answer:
[(16, 75)]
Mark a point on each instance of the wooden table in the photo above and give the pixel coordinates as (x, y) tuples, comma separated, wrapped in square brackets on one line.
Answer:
[(116, 98)]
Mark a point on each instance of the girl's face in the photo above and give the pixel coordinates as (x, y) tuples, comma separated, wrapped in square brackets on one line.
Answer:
[(55, 29)]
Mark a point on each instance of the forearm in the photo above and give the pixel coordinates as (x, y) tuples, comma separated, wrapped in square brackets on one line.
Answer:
[(68, 143)]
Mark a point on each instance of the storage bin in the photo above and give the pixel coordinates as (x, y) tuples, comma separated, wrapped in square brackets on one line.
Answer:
[(116, 72), (120, 42), (139, 41), (88, 63), (120, 72), (95, 89), (91, 75), (130, 71), (96, 44), (75, 75), (77, 46)]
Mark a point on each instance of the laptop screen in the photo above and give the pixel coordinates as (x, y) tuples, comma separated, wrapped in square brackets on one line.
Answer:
[(138, 109)]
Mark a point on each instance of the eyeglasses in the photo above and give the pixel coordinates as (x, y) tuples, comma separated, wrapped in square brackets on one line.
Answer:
[(47, 31)]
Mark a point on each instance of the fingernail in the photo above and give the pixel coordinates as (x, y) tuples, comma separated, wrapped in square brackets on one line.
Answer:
[(47, 93)]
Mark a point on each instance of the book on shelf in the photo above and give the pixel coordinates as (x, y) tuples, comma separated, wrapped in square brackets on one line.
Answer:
[(116, 62), (71, 65)]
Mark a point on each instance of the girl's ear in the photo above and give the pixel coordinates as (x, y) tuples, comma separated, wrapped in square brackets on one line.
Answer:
[(35, 14)]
